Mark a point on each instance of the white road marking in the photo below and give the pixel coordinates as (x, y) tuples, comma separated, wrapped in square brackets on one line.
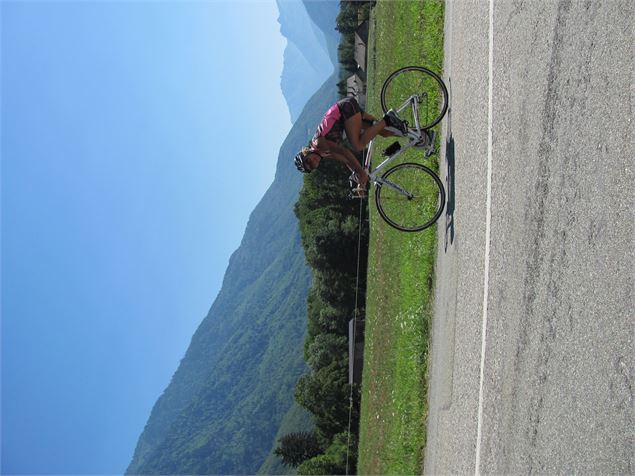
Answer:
[(488, 220)]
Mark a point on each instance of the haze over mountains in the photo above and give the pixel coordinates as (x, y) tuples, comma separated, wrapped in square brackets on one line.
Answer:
[(311, 53), (232, 395)]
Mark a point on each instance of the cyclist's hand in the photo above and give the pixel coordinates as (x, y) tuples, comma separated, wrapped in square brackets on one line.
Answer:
[(360, 192), (362, 179)]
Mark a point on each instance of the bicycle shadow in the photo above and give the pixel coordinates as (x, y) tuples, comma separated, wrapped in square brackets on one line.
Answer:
[(449, 179)]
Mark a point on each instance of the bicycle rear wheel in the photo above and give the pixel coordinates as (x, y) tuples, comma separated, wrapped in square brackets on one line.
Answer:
[(410, 197), (431, 92)]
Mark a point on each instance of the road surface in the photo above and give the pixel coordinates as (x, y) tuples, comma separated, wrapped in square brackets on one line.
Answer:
[(533, 351)]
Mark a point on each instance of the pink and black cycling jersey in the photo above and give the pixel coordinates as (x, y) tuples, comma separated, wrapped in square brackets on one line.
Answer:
[(332, 125)]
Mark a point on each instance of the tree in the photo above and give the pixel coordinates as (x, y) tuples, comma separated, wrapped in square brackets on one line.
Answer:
[(330, 229), (295, 448), (347, 19), (326, 349), (325, 393), (335, 459), (346, 53)]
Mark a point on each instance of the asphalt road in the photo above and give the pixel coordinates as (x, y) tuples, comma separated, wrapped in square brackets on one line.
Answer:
[(540, 170)]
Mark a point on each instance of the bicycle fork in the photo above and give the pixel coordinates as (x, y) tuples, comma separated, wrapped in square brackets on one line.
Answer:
[(380, 182)]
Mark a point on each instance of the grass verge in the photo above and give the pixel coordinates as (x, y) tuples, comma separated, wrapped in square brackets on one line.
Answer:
[(400, 268)]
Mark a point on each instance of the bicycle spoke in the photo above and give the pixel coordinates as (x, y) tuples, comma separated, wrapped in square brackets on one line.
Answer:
[(410, 214), (431, 95)]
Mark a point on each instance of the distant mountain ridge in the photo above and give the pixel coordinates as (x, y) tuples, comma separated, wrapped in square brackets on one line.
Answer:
[(225, 404), (310, 56)]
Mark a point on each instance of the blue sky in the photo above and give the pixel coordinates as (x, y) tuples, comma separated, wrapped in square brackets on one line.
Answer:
[(136, 139)]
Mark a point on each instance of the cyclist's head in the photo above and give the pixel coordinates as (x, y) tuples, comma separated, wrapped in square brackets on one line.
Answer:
[(307, 160)]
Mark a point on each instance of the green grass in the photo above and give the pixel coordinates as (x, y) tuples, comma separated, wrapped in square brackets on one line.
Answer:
[(400, 272)]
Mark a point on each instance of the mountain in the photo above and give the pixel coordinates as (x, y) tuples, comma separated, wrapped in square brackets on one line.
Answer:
[(323, 13), (232, 394), (310, 56), (224, 405)]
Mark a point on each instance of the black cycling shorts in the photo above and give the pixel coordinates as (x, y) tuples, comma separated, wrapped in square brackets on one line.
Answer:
[(348, 107)]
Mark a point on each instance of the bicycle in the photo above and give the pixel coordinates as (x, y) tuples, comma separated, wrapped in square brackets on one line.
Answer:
[(409, 196)]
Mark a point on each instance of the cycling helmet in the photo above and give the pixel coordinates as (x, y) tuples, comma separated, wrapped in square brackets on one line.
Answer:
[(299, 163)]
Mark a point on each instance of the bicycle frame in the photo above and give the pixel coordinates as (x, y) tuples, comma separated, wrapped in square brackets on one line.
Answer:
[(413, 101), (405, 192), (414, 137)]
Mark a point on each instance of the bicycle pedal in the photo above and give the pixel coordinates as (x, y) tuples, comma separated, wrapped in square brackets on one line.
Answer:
[(392, 148)]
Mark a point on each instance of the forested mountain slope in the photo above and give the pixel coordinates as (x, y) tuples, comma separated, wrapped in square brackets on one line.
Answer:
[(226, 401)]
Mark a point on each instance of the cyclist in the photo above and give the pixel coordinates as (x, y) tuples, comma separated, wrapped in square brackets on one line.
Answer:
[(347, 116)]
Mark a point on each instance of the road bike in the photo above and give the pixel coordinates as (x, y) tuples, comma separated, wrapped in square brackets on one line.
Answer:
[(410, 196)]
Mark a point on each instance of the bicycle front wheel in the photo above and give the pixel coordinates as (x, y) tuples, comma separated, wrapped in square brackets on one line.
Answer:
[(430, 92), (410, 197)]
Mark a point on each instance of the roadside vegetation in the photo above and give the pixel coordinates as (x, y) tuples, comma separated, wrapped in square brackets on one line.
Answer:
[(388, 413), (329, 227), (400, 268)]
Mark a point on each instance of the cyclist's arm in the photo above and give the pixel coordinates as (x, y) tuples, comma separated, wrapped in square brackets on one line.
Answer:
[(345, 156)]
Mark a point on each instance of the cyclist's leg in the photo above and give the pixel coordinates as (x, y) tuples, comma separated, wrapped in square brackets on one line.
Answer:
[(386, 133), (357, 135), (368, 120)]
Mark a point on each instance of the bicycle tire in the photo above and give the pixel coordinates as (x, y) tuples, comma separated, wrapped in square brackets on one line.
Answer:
[(415, 80), (410, 214)]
